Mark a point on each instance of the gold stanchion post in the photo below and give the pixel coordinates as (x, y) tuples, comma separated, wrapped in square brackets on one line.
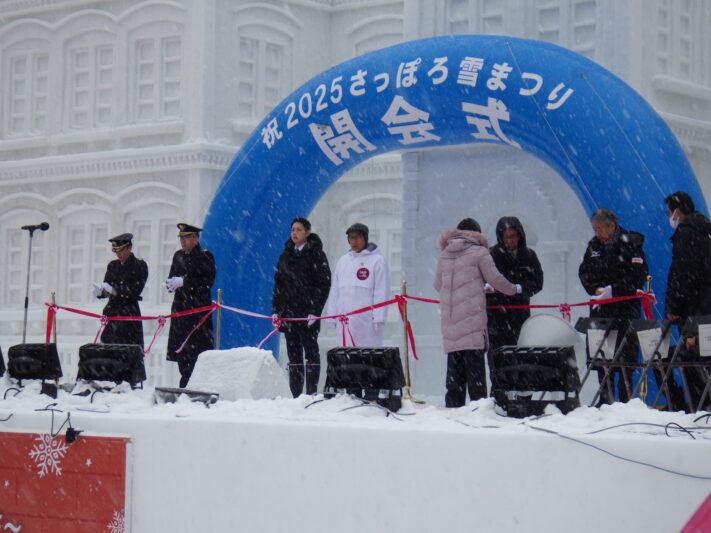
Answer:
[(406, 344), (406, 354), (52, 300), (643, 377), (219, 320), (54, 317)]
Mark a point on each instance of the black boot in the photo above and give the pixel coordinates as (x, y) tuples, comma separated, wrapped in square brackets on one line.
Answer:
[(312, 374), (296, 379)]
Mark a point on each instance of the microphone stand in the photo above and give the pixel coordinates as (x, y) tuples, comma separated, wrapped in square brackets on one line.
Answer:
[(27, 285)]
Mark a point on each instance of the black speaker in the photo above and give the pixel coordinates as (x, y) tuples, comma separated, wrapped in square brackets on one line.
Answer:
[(369, 373), (34, 361), (527, 378), (112, 362)]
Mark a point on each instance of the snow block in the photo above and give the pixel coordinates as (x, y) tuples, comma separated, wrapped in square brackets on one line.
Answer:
[(240, 373)]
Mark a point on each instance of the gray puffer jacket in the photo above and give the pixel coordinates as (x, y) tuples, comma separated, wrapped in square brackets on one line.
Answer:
[(463, 266)]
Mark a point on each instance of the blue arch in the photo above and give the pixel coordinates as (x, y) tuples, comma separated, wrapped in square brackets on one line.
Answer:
[(607, 143)]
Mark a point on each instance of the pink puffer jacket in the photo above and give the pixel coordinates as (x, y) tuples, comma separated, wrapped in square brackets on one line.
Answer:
[(463, 266)]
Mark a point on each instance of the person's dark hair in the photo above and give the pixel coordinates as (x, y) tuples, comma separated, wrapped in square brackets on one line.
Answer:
[(680, 200), (469, 224), (605, 216), (301, 220)]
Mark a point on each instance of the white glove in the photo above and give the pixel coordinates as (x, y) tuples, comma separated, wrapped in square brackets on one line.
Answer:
[(488, 288), (519, 289), (174, 283), (108, 288), (603, 294), (311, 321), (96, 290)]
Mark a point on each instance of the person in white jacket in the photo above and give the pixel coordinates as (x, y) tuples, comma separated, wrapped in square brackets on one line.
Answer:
[(361, 278)]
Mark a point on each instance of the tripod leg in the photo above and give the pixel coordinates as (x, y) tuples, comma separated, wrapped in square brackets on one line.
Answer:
[(687, 392), (706, 392)]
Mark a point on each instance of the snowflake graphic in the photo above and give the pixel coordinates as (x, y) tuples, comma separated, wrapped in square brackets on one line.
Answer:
[(48, 454), (117, 524)]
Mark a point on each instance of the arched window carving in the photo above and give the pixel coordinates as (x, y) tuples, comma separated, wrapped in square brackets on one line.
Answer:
[(26, 88)]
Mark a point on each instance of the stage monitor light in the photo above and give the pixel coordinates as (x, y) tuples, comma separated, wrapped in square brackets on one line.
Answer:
[(112, 362), (527, 378), (369, 373), (34, 361)]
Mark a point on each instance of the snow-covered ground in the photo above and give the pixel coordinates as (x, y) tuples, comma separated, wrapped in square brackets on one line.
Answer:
[(303, 465)]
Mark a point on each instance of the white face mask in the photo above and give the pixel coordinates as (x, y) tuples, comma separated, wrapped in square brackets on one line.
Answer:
[(673, 222)]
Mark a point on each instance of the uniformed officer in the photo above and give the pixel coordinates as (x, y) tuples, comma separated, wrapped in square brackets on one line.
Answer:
[(123, 283), (192, 274)]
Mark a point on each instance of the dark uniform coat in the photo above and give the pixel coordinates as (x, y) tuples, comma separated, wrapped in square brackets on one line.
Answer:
[(621, 264), (689, 279), (521, 267), (127, 279), (302, 282), (197, 269)]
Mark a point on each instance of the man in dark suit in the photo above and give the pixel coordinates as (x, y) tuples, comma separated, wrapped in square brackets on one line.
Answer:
[(301, 284), (192, 274)]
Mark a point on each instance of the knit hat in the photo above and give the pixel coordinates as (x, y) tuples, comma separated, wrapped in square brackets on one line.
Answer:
[(359, 228)]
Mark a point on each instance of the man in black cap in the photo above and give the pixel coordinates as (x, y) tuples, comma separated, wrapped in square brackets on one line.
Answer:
[(192, 274), (123, 283)]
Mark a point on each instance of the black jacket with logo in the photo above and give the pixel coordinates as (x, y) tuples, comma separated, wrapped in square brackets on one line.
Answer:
[(621, 264)]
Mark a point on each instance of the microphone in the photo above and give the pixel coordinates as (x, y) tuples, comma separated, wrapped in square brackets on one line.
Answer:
[(44, 226)]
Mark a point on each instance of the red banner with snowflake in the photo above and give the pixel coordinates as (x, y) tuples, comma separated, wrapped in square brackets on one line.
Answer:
[(47, 484)]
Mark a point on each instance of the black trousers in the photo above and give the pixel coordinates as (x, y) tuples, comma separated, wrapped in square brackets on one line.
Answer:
[(302, 345), (186, 364), (465, 369)]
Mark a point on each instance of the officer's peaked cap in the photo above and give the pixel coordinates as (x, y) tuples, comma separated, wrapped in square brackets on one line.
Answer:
[(120, 242), (186, 230)]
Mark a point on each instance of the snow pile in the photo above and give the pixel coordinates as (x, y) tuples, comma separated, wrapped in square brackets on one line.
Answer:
[(315, 465)]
